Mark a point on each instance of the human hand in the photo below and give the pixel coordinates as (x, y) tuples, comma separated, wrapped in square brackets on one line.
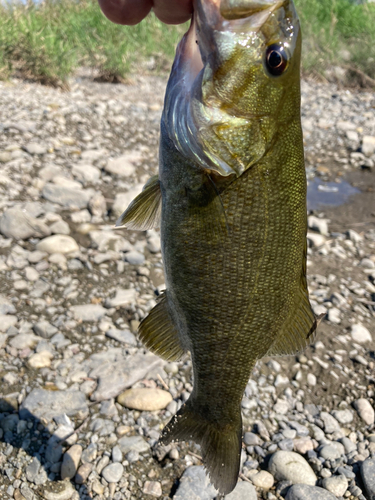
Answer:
[(133, 11)]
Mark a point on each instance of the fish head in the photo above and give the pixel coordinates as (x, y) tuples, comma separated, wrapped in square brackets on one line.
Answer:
[(235, 82)]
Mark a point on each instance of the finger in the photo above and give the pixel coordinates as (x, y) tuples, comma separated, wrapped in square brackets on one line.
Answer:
[(125, 11), (173, 12)]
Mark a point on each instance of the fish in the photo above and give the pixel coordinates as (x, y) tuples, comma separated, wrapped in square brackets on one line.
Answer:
[(230, 201)]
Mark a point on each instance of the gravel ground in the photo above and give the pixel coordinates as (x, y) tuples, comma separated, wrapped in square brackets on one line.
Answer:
[(81, 402)]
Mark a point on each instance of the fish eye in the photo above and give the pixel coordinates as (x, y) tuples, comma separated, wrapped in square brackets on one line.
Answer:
[(276, 59)]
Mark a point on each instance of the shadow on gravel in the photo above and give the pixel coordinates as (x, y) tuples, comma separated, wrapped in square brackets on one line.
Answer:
[(24, 434)]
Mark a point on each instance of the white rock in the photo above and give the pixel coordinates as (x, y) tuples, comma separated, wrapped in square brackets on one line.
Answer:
[(263, 479), (365, 410), (88, 312), (123, 165), (316, 240), (60, 227), (360, 334), (289, 466), (336, 485), (58, 243), (368, 145), (333, 315), (86, 173), (320, 225), (6, 321), (122, 298), (145, 399), (40, 360)]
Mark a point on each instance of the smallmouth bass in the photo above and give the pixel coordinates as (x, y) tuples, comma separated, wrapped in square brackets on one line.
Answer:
[(230, 199)]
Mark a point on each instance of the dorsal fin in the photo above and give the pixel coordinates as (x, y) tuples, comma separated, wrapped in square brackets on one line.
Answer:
[(158, 333), (144, 211)]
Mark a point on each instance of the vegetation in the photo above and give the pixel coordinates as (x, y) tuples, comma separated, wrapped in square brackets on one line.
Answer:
[(47, 41)]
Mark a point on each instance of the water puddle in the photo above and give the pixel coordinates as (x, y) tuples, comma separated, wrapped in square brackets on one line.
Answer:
[(321, 193)]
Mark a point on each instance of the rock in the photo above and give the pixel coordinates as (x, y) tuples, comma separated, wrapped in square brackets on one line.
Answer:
[(124, 336), (70, 462), (152, 488), (334, 315), (116, 376), (303, 445), (116, 454), (263, 479), (86, 173), (49, 404), (368, 145), (336, 485), (135, 258), (243, 491), (365, 410), (330, 423), (97, 205), (62, 490), (124, 165), (83, 473), (133, 443), (24, 340), (195, 485), (315, 240), (123, 200), (122, 298), (35, 148), (145, 399), (40, 360), (88, 312), (60, 227), (44, 329), (289, 466), (6, 321), (332, 451), (319, 225), (58, 244), (113, 472), (305, 492), (18, 224), (360, 334), (6, 307), (368, 477), (343, 416), (65, 196)]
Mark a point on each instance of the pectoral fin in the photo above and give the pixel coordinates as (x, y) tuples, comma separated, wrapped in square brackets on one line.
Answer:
[(298, 333), (145, 210), (158, 333)]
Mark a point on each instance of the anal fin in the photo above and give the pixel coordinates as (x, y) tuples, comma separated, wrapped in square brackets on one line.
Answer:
[(158, 333), (298, 332), (144, 211)]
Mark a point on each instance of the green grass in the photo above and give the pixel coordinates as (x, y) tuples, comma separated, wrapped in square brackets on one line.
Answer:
[(339, 33), (48, 41)]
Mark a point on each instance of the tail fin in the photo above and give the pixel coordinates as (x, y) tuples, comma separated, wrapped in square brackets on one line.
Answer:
[(221, 446)]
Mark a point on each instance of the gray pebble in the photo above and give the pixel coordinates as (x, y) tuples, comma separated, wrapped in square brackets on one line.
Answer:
[(113, 472), (305, 492), (368, 477)]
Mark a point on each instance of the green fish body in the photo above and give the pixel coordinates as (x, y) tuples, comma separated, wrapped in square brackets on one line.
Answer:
[(231, 201)]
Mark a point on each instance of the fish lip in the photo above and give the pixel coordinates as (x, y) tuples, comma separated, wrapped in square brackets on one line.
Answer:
[(253, 7)]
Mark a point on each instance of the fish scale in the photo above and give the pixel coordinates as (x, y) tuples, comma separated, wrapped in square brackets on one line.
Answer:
[(230, 198)]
